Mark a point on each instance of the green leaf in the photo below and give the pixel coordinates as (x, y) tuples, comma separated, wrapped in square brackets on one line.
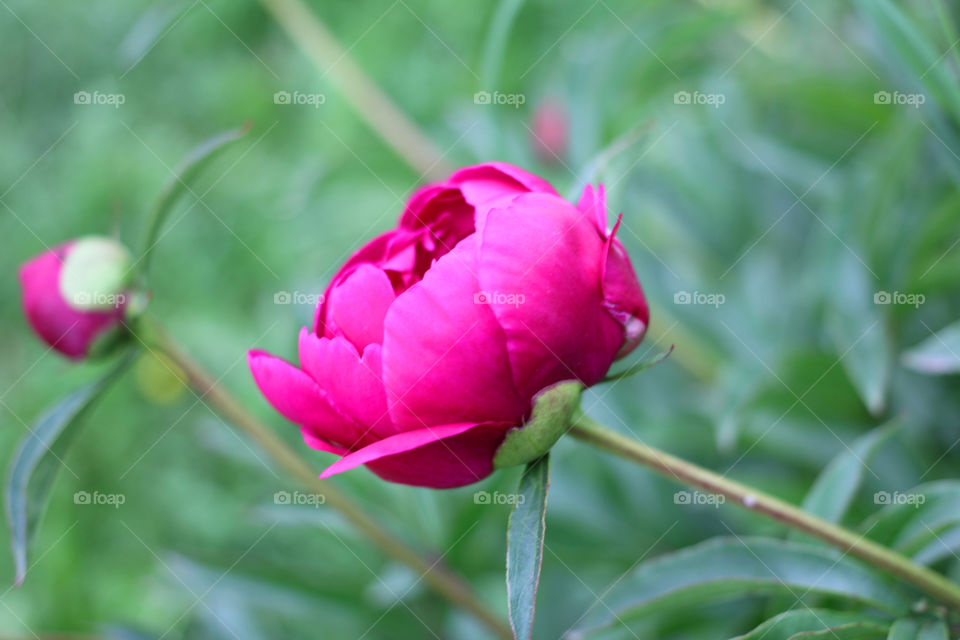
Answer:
[(37, 460), (797, 623), (726, 568), (914, 51), (553, 409), (938, 354), (921, 523), (179, 183), (525, 531), (640, 367), (834, 489), (496, 42), (856, 326), (916, 629)]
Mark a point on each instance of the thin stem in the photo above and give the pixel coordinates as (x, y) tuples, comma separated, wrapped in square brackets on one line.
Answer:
[(437, 576), (751, 499), (366, 98)]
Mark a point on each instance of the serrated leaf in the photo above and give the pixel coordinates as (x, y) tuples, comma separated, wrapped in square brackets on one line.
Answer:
[(937, 355), (725, 568), (789, 624), (525, 531), (37, 460), (188, 169), (916, 629)]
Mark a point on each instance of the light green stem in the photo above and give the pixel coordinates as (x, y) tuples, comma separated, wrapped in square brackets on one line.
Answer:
[(679, 470), (442, 580)]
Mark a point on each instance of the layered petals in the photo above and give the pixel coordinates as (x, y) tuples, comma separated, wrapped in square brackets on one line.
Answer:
[(543, 275), (444, 355), (359, 304)]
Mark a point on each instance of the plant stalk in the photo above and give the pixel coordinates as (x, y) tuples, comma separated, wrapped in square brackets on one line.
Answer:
[(443, 581), (687, 473)]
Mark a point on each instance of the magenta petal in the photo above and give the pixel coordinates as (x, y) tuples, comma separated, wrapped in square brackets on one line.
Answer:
[(593, 204), (359, 303), (67, 330), (444, 357), (542, 272), (298, 398), (484, 183), (622, 294), (438, 457), (354, 384)]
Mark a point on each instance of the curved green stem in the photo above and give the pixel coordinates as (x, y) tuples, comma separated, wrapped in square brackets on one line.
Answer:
[(932, 583), (443, 581)]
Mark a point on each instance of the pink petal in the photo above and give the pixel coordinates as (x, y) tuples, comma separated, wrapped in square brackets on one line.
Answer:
[(484, 183), (438, 457), (353, 383), (540, 261), (67, 330), (593, 204), (444, 359), (358, 305), (299, 399), (622, 293)]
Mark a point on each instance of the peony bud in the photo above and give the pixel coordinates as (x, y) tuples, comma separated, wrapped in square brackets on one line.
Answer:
[(549, 131), (75, 293), (435, 342)]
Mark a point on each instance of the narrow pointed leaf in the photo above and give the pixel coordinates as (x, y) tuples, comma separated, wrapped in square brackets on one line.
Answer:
[(726, 568), (801, 621), (937, 355), (639, 367), (37, 460), (525, 532)]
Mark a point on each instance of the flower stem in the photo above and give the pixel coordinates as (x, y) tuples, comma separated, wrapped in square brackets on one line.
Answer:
[(437, 576), (932, 583), (366, 98)]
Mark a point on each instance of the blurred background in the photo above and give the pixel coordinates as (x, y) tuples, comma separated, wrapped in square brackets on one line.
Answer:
[(787, 171)]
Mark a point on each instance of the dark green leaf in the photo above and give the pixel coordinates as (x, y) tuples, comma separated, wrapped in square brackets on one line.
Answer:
[(921, 523), (725, 568), (835, 487), (525, 532), (787, 625), (37, 460), (915, 629)]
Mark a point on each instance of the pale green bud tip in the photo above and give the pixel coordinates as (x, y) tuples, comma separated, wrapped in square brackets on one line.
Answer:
[(95, 274)]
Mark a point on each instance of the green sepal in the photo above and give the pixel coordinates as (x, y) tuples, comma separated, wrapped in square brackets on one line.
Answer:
[(553, 409)]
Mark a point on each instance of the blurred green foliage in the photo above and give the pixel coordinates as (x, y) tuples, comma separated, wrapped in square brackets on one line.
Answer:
[(798, 199)]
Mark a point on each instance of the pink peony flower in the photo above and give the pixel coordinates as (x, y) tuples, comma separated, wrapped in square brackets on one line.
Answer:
[(433, 339), (70, 313)]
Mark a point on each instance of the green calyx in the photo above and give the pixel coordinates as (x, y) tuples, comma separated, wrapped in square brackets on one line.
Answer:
[(95, 274), (553, 410)]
